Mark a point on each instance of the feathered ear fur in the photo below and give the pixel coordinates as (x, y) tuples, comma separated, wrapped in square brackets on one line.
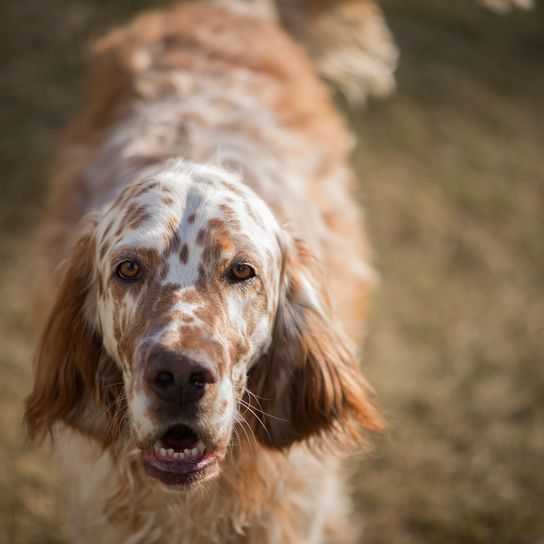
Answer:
[(309, 384), (75, 380)]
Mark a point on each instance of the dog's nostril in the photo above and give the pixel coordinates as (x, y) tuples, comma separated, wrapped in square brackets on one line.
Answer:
[(164, 379), (197, 379)]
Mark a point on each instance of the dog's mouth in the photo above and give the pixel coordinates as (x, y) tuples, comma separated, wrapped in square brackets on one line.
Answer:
[(180, 458)]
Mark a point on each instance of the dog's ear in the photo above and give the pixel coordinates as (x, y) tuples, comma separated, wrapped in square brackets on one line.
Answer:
[(75, 381), (309, 384)]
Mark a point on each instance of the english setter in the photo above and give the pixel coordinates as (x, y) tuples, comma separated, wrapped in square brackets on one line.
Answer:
[(196, 368)]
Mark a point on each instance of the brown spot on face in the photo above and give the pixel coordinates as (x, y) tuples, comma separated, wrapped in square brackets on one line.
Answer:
[(172, 225), (208, 314), (169, 295), (134, 217), (226, 209), (216, 240), (107, 230), (103, 249), (165, 267), (184, 254), (216, 224), (174, 243), (146, 186), (190, 296), (191, 218), (201, 237), (168, 201), (238, 347), (225, 243)]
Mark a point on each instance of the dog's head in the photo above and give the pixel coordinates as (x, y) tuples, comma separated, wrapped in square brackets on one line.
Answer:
[(184, 309)]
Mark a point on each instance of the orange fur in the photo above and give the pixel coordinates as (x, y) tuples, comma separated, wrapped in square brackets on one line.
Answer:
[(309, 381), (74, 376)]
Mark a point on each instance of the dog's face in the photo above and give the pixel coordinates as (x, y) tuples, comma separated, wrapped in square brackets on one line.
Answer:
[(188, 271), (184, 304)]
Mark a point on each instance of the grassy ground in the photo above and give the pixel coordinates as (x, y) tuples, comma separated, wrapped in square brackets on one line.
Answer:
[(453, 184)]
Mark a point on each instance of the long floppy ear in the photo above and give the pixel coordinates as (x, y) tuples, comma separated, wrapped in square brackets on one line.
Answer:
[(309, 384), (75, 380)]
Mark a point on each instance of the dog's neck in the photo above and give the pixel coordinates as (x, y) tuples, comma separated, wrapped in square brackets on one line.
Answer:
[(247, 497)]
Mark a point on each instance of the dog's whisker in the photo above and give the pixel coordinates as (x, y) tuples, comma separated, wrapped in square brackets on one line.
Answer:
[(243, 424), (253, 407)]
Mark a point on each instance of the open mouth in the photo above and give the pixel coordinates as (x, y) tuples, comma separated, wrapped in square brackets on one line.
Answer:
[(179, 457)]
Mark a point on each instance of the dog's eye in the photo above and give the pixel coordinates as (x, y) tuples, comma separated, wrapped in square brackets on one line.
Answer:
[(241, 272), (128, 270)]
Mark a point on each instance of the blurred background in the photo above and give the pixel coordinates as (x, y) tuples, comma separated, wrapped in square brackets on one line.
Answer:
[(452, 181)]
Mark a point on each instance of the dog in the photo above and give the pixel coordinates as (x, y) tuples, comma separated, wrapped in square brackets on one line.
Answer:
[(197, 369)]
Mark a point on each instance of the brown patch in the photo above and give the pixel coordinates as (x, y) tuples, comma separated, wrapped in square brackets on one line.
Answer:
[(174, 243), (208, 314), (135, 217), (238, 348), (165, 267), (167, 200), (226, 209), (184, 254), (191, 218), (216, 240), (104, 248), (189, 296), (201, 237), (172, 225), (107, 230), (146, 186)]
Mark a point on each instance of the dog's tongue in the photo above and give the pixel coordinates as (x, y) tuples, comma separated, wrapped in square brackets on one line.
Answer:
[(179, 438)]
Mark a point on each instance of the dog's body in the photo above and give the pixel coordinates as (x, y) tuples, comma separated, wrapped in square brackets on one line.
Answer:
[(215, 87)]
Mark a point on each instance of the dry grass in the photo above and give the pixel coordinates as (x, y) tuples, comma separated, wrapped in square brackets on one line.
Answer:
[(453, 185)]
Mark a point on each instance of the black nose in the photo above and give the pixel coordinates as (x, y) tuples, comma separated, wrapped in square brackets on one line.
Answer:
[(174, 377)]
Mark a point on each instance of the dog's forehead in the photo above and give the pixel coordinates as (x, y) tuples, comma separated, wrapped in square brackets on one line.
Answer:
[(185, 204)]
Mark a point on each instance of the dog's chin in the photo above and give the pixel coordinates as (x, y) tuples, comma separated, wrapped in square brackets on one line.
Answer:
[(179, 459)]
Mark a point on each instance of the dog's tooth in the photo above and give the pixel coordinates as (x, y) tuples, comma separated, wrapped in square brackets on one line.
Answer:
[(162, 452), (200, 446), (187, 453), (181, 455), (170, 452), (176, 455), (194, 452)]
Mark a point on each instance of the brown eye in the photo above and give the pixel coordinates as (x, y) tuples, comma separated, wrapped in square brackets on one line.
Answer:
[(128, 270), (241, 272)]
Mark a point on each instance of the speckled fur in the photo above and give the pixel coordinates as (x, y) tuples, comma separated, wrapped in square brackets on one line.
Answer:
[(197, 118)]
